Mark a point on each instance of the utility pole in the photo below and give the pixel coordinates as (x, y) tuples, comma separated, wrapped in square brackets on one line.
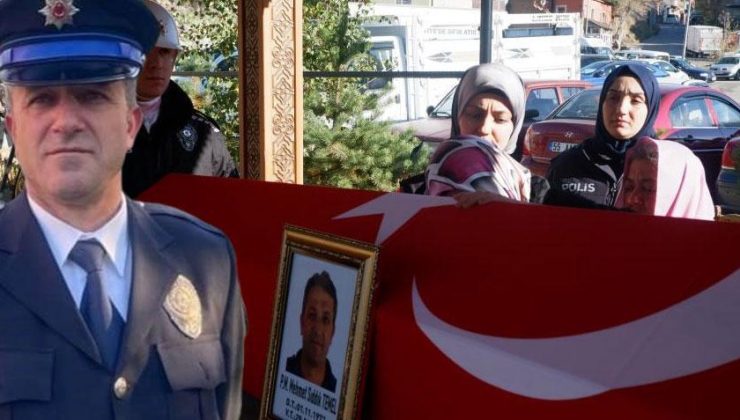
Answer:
[(486, 18), (686, 30)]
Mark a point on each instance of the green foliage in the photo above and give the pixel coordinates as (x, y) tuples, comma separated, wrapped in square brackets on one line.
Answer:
[(366, 156), (343, 145), (205, 25)]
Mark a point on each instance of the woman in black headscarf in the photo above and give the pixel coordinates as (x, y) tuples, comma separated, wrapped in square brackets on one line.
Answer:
[(589, 175)]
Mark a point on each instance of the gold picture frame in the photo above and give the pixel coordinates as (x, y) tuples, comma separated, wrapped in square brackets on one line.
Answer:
[(320, 323)]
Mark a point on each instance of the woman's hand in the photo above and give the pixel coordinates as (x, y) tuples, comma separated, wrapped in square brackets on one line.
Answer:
[(476, 198)]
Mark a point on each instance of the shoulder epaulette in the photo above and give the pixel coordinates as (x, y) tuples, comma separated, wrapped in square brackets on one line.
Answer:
[(201, 117)]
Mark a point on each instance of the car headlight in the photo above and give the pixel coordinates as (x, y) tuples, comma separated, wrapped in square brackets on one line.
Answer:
[(705, 74)]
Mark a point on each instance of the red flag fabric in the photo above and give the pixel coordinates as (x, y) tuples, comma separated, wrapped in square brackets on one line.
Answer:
[(507, 310)]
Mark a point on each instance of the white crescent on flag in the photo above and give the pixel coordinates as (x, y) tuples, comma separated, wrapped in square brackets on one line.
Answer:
[(692, 336)]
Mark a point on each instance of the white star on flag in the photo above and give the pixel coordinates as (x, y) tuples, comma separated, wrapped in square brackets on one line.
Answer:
[(397, 209)]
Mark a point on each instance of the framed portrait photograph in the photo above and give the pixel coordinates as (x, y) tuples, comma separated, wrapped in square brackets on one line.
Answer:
[(319, 327)]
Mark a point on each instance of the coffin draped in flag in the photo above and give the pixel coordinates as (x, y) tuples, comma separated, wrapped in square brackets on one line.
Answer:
[(506, 310)]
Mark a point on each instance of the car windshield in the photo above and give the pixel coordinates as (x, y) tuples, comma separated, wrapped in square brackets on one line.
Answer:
[(593, 67), (728, 60), (681, 62), (584, 105), (666, 66)]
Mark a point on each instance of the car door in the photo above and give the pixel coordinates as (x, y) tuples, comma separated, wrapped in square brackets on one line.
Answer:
[(694, 124)]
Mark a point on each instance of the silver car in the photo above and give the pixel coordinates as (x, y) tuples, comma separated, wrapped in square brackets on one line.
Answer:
[(727, 66)]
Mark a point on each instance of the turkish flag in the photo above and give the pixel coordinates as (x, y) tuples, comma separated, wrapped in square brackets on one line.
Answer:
[(506, 310)]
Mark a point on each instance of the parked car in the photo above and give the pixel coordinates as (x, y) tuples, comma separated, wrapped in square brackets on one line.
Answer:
[(694, 72), (542, 97), (587, 59), (589, 69), (701, 118), (728, 181), (598, 76), (674, 75), (727, 67)]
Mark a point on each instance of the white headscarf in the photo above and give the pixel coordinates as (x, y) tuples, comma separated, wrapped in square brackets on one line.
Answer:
[(490, 78)]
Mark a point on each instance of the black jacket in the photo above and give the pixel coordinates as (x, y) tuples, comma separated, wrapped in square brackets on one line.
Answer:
[(582, 177), (293, 365), (182, 140)]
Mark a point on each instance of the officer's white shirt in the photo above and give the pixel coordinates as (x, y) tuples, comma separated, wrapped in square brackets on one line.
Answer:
[(113, 236), (150, 111)]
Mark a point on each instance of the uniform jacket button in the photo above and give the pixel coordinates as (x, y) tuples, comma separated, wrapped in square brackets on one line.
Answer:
[(120, 387)]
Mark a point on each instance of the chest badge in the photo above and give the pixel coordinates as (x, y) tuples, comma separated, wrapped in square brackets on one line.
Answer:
[(58, 12), (183, 307), (188, 136)]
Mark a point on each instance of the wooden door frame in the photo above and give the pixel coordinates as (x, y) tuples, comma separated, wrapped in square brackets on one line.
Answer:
[(271, 89)]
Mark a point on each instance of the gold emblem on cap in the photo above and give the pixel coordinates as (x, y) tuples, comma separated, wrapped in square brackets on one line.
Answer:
[(59, 12), (183, 306)]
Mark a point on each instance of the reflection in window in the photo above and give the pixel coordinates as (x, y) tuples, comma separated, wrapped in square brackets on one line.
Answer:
[(567, 92), (543, 101), (691, 113), (726, 114), (584, 106)]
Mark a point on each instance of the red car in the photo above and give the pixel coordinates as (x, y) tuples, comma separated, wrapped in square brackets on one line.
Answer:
[(542, 97), (701, 118), (728, 181)]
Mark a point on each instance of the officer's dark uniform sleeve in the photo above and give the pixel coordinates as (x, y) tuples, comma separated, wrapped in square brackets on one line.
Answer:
[(234, 329)]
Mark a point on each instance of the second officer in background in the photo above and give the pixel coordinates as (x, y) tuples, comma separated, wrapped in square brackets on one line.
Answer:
[(175, 137)]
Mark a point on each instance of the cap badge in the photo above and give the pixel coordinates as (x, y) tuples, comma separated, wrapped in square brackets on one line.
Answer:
[(183, 307), (59, 12)]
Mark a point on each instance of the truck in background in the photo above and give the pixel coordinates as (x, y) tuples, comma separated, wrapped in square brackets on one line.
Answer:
[(411, 38), (703, 40)]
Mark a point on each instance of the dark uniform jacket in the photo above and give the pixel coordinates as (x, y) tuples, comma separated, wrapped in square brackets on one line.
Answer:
[(182, 140), (585, 177), (49, 364)]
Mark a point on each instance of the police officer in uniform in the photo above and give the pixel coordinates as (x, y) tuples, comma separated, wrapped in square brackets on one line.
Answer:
[(174, 137), (109, 308)]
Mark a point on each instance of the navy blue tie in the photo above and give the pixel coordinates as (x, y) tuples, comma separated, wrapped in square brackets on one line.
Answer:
[(103, 321)]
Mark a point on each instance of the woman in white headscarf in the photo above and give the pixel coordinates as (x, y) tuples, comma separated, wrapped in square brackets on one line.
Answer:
[(487, 115), (664, 178)]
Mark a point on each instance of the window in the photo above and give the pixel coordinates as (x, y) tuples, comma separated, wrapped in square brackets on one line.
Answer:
[(567, 92), (526, 32), (583, 106), (561, 9), (543, 101), (691, 112), (444, 108), (727, 115)]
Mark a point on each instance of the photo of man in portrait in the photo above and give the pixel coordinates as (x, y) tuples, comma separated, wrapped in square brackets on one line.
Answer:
[(317, 321)]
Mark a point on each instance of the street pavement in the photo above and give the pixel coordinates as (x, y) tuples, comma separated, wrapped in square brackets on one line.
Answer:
[(670, 39)]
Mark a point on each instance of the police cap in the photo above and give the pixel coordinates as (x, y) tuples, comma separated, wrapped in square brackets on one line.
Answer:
[(52, 42)]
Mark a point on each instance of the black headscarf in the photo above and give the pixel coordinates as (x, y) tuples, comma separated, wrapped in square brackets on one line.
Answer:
[(604, 144)]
